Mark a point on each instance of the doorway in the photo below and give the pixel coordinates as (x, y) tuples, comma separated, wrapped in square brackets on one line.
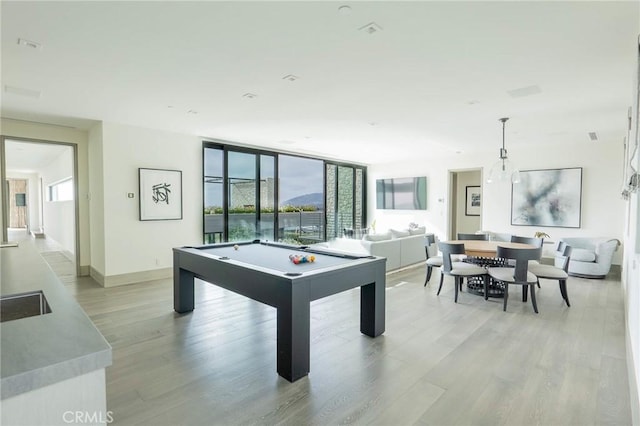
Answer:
[(465, 201), (40, 196)]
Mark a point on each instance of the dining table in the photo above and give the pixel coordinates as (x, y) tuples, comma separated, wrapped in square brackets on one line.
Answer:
[(483, 248), (483, 253)]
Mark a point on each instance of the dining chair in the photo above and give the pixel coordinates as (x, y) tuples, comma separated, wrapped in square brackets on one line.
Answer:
[(478, 237), (534, 241), (517, 275), (458, 270), (551, 272), (432, 261)]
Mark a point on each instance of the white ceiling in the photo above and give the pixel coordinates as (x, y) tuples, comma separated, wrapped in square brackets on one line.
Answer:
[(28, 157), (434, 79)]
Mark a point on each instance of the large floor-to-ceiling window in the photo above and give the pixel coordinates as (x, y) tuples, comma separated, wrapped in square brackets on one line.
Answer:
[(254, 194), (345, 200)]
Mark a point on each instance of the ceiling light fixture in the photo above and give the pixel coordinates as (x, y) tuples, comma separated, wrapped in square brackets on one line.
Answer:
[(503, 169)]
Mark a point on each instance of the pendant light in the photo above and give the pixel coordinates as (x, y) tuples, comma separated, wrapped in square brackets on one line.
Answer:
[(503, 170)]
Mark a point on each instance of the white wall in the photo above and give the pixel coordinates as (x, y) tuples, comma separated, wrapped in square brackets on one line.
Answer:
[(130, 244), (631, 266), (58, 216), (96, 200), (603, 210)]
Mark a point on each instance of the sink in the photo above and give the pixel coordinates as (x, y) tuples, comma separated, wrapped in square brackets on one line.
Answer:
[(23, 305)]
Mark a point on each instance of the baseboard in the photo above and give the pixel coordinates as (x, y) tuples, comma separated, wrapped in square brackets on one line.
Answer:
[(634, 397), (136, 277), (96, 276), (84, 270)]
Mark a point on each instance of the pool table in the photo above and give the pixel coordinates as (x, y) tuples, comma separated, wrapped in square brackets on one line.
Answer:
[(263, 272)]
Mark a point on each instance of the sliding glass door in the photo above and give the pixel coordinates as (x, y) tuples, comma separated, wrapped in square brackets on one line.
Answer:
[(252, 194)]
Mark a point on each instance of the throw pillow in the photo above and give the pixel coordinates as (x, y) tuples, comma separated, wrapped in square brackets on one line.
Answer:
[(582, 255), (418, 231), (377, 237), (397, 233)]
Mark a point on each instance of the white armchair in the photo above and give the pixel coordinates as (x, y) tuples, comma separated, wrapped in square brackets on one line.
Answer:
[(590, 257)]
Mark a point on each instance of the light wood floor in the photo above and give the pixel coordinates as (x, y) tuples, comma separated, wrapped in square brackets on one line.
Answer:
[(438, 363)]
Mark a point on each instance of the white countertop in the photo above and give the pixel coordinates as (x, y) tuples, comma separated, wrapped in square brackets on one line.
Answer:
[(42, 350)]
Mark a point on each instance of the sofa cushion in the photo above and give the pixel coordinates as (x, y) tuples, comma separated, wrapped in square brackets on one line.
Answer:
[(397, 233), (582, 255), (377, 237), (417, 231)]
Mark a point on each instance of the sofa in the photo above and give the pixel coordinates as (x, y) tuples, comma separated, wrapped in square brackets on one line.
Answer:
[(590, 257), (401, 247)]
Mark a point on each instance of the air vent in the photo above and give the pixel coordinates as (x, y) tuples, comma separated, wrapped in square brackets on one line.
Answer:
[(28, 93), (524, 91), (593, 136), (371, 28), (30, 44)]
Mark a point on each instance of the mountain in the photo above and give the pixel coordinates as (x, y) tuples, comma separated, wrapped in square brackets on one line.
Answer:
[(315, 199)]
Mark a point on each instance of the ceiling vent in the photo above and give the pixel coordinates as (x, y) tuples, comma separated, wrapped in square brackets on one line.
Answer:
[(28, 43), (593, 136), (371, 28), (27, 93), (524, 91)]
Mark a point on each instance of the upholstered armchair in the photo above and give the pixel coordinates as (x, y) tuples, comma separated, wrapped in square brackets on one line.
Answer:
[(590, 257)]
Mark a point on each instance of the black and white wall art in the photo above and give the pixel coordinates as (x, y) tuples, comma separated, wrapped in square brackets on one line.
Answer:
[(160, 194)]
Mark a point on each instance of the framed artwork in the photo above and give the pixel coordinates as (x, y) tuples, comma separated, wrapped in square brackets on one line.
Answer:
[(550, 197), (473, 204), (160, 194)]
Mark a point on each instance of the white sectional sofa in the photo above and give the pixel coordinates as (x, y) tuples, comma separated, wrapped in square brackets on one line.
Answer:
[(400, 247)]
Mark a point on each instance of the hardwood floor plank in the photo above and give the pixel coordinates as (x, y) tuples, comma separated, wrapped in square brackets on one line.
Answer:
[(438, 363)]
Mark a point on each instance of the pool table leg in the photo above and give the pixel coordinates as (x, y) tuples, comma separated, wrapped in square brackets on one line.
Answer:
[(183, 297), (372, 301), (294, 334)]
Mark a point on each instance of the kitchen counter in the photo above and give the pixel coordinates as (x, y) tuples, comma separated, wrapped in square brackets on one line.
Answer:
[(43, 350)]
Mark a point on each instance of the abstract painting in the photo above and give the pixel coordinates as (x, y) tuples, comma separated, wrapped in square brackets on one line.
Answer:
[(160, 194), (550, 197)]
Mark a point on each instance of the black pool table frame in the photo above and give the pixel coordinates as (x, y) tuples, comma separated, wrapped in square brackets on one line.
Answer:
[(290, 295)]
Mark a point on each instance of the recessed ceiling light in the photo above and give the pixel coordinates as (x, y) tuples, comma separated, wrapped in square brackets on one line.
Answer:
[(249, 95), (193, 112), (29, 93), (28, 43), (290, 77), (344, 10), (371, 28)]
